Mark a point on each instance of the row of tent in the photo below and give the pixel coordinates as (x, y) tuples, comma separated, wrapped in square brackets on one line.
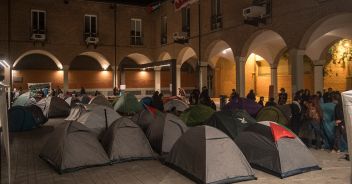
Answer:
[(221, 151)]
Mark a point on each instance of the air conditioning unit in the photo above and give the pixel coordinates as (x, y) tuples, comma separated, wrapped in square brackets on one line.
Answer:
[(92, 40), (254, 12), (38, 37), (180, 36)]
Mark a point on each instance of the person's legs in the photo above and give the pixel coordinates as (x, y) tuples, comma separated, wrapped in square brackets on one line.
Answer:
[(337, 138)]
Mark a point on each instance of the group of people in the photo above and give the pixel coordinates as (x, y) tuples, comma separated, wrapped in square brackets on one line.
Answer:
[(201, 97), (307, 119)]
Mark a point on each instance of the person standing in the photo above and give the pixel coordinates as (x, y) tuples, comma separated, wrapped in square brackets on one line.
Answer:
[(261, 101), (314, 117), (251, 95), (282, 97), (194, 97), (340, 130)]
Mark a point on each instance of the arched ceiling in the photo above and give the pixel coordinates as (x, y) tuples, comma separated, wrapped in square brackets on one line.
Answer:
[(38, 52), (217, 50), (186, 54), (139, 58)]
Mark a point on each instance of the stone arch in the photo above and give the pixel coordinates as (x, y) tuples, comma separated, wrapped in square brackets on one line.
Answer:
[(218, 48), (139, 58), (266, 43), (185, 54), (164, 56), (104, 63), (41, 52), (324, 32)]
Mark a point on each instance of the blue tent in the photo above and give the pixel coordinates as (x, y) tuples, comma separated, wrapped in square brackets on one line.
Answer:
[(22, 118), (328, 124)]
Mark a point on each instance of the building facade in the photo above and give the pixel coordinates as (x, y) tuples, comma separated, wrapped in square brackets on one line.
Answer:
[(289, 50)]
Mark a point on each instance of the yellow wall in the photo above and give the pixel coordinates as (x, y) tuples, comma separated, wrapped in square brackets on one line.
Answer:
[(336, 77), (225, 77)]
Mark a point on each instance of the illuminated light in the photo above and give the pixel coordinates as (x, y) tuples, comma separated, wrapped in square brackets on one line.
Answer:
[(143, 69), (5, 63), (226, 50)]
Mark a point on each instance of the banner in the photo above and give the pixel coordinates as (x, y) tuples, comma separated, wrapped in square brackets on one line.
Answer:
[(179, 4)]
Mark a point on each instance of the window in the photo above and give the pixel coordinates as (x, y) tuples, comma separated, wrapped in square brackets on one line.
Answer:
[(90, 26), (186, 19), (38, 22), (216, 18), (136, 32), (163, 38)]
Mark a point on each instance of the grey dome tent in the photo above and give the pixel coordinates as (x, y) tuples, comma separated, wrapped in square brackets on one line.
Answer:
[(24, 100), (164, 132), (56, 107), (76, 111), (272, 113), (100, 100), (207, 155), (22, 118), (176, 104), (72, 101), (270, 147), (231, 122), (98, 118), (72, 147), (147, 116), (125, 141), (128, 104)]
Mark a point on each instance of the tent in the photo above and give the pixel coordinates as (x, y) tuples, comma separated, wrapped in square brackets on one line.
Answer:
[(98, 118), (207, 155), (196, 115), (100, 100), (56, 107), (274, 149), (125, 141), (286, 109), (231, 122), (177, 104), (24, 100), (72, 101), (329, 124), (22, 118), (148, 116), (128, 104), (146, 101), (72, 147), (164, 132), (76, 111), (272, 113), (242, 103)]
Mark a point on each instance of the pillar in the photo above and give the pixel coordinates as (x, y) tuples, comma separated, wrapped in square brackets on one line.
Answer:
[(297, 69), (240, 75), (178, 76), (273, 73), (65, 69), (157, 78), (123, 77), (203, 74), (114, 76), (318, 78)]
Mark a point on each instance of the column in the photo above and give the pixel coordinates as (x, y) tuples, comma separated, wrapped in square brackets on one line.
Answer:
[(157, 78), (65, 69), (273, 72), (114, 77), (297, 69), (117, 78), (178, 76), (240, 75), (123, 77), (203, 74), (318, 78)]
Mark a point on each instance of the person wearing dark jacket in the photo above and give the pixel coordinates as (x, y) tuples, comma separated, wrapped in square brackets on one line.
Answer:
[(296, 111), (261, 101), (157, 101), (271, 102), (194, 96), (340, 130), (282, 97), (251, 95)]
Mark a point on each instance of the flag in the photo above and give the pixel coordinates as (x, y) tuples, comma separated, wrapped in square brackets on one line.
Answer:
[(153, 6), (280, 132), (179, 4)]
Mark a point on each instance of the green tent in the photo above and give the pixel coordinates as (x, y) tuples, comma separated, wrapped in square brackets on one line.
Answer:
[(231, 122), (196, 115), (24, 100), (128, 104), (272, 113)]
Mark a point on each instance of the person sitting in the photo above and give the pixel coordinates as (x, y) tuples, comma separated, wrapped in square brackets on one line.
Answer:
[(271, 102), (251, 95)]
